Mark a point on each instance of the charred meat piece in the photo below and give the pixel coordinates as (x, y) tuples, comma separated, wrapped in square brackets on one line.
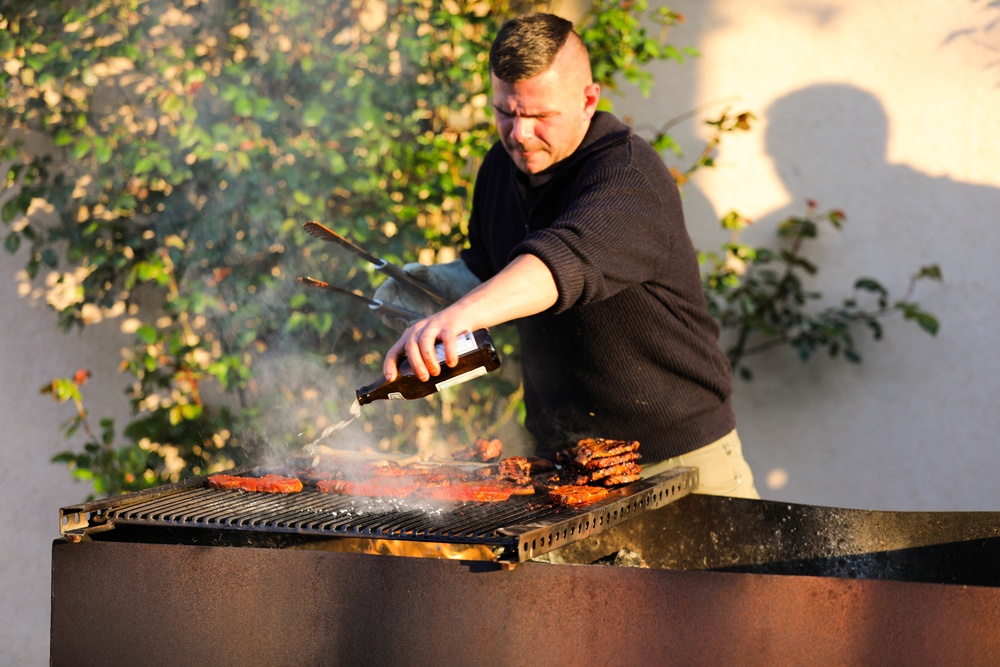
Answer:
[(619, 480), (600, 461), (517, 469), (574, 495), (467, 492), (442, 477), (233, 482), (548, 481), (379, 487), (609, 461), (554, 480), (388, 469), (265, 484), (591, 448), (482, 450), (487, 472), (538, 465), (624, 469), (423, 484)]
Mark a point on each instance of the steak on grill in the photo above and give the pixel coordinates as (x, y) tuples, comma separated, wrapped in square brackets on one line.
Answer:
[(588, 449), (265, 484), (599, 461), (574, 495)]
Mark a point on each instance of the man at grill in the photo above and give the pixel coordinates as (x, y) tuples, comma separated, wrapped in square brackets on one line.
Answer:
[(578, 237)]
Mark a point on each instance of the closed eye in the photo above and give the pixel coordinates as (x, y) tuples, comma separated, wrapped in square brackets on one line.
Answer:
[(542, 115)]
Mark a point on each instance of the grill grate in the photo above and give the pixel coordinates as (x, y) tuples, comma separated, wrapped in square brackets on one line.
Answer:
[(515, 530)]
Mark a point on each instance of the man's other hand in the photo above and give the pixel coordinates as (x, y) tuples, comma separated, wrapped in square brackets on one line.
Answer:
[(453, 280)]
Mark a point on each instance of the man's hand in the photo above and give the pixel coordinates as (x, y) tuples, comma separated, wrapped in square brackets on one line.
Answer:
[(453, 280), (419, 344), (525, 287)]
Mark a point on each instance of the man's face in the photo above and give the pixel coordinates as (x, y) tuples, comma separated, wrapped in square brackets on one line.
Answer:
[(544, 119)]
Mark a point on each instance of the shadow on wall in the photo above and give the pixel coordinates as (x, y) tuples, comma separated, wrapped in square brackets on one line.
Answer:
[(829, 143)]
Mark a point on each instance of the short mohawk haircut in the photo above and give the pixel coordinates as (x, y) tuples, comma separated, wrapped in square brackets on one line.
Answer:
[(527, 45)]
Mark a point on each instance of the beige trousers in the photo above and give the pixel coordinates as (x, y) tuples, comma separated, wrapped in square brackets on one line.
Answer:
[(722, 470)]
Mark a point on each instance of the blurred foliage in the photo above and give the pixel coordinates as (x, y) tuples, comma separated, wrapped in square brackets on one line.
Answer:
[(159, 159), (176, 150)]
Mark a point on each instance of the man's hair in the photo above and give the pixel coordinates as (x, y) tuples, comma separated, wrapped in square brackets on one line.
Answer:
[(527, 45)]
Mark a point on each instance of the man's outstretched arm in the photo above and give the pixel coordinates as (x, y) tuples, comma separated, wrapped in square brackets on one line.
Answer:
[(524, 287)]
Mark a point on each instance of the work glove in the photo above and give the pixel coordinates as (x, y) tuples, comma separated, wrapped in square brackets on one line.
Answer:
[(453, 280)]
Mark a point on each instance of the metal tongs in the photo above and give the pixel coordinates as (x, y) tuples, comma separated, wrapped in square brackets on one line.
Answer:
[(324, 233), (375, 304)]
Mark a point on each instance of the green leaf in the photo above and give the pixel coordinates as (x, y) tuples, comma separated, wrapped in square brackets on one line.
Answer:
[(926, 321), (63, 137), (80, 148), (243, 106), (869, 285), (932, 271), (146, 334), (12, 242)]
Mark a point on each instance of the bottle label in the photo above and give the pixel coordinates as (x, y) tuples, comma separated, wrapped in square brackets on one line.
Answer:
[(459, 379), (466, 343), (396, 396)]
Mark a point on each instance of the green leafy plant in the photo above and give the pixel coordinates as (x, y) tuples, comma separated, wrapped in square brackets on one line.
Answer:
[(177, 151), (761, 295)]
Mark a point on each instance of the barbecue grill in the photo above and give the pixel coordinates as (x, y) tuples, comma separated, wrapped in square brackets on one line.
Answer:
[(186, 575), (509, 532)]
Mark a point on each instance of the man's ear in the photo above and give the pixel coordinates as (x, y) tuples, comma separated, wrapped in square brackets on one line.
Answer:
[(591, 96)]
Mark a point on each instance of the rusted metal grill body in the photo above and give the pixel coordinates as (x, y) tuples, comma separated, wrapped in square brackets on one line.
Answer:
[(509, 532), (730, 582)]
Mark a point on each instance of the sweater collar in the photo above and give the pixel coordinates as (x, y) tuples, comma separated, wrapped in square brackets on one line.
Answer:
[(604, 131)]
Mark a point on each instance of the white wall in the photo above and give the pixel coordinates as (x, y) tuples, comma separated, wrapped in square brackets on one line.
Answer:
[(885, 109), (32, 490)]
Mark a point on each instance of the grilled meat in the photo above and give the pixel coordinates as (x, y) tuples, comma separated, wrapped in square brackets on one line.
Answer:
[(554, 480), (624, 469), (419, 489), (482, 450), (609, 461), (265, 484), (381, 487), (574, 495), (517, 469), (539, 465), (619, 480), (429, 482), (600, 461), (468, 491), (590, 448)]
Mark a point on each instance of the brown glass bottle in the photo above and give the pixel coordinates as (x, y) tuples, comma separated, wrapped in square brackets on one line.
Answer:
[(476, 357)]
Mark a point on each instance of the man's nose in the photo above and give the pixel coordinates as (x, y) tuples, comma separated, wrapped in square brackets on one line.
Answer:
[(524, 128)]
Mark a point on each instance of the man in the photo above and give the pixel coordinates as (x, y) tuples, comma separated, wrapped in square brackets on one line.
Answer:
[(578, 237)]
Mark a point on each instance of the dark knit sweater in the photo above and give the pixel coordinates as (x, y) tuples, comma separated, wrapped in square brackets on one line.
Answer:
[(628, 351)]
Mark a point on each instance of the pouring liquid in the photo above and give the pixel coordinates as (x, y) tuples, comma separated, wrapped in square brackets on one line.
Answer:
[(355, 412)]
